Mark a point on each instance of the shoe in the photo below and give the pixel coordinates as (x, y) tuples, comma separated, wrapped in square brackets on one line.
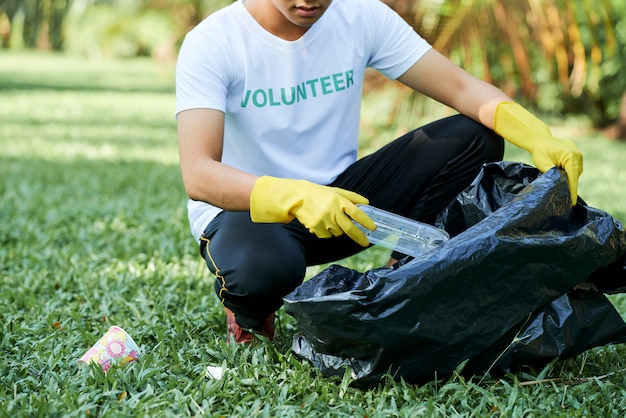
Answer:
[(244, 336)]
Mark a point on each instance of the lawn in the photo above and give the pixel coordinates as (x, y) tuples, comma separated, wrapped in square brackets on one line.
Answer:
[(94, 233)]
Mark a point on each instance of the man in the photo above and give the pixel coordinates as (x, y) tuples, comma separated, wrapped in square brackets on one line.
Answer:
[(268, 102)]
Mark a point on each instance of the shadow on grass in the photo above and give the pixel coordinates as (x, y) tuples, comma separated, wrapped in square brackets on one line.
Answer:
[(91, 208), (95, 82)]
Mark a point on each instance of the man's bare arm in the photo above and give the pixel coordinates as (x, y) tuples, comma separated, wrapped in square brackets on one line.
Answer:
[(206, 178), (437, 77)]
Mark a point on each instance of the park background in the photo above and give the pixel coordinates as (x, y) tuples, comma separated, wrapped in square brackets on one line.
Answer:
[(94, 230)]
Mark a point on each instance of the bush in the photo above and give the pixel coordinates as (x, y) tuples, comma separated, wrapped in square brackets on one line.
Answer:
[(114, 31)]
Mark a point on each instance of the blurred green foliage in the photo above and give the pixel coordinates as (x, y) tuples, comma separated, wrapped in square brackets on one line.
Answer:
[(40, 22), (555, 56), (109, 30), (602, 105)]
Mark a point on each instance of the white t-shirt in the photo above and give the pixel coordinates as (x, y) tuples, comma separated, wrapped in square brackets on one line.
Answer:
[(291, 108)]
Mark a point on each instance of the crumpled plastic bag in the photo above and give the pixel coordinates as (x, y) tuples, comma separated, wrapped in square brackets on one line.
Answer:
[(520, 282)]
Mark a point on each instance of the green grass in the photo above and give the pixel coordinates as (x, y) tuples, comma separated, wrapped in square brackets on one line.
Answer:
[(94, 233)]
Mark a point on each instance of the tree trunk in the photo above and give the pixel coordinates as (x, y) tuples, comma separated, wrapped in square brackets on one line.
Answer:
[(56, 19), (10, 7), (33, 17), (618, 129)]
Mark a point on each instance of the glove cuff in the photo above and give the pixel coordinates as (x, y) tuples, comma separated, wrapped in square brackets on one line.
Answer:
[(518, 126), (266, 198)]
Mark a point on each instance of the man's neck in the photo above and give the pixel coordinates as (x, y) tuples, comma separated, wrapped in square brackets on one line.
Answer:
[(273, 21)]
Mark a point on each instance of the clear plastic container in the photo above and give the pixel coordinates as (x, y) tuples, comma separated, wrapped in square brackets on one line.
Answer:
[(401, 234)]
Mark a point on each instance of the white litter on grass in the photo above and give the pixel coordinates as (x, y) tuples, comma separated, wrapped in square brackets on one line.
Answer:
[(215, 372)]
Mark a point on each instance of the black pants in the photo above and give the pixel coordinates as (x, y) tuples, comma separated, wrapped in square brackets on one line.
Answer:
[(416, 175)]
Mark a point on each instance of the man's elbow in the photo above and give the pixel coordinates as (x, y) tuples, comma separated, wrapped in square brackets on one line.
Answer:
[(192, 187), (192, 193)]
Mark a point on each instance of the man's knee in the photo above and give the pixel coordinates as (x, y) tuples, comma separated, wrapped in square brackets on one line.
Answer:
[(260, 275), (491, 144), (254, 283), (472, 133), (493, 148)]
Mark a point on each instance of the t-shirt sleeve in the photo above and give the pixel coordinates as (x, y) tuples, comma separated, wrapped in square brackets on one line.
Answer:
[(396, 45), (201, 73)]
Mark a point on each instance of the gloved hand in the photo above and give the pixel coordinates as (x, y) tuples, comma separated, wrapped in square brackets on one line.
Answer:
[(325, 211), (521, 128)]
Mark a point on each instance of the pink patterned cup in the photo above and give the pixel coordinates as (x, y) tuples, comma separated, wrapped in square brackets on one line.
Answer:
[(115, 347)]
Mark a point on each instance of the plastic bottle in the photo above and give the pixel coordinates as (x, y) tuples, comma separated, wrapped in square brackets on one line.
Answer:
[(401, 234)]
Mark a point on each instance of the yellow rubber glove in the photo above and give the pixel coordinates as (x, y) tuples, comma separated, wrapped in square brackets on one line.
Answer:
[(521, 128), (325, 211)]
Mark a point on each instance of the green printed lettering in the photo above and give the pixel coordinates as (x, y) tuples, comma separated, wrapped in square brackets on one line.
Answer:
[(301, 92), (312, 84), (244, 102), (338, 81), (306, 90), (326, 85), (284, 96), (255, 98), (349, 78), (273, 101)]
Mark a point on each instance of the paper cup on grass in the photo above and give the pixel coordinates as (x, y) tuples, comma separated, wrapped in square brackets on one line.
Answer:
[(115, 347)]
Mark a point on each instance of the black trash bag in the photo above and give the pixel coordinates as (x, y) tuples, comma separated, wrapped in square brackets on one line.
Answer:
[(518, 251), (571, 324)]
